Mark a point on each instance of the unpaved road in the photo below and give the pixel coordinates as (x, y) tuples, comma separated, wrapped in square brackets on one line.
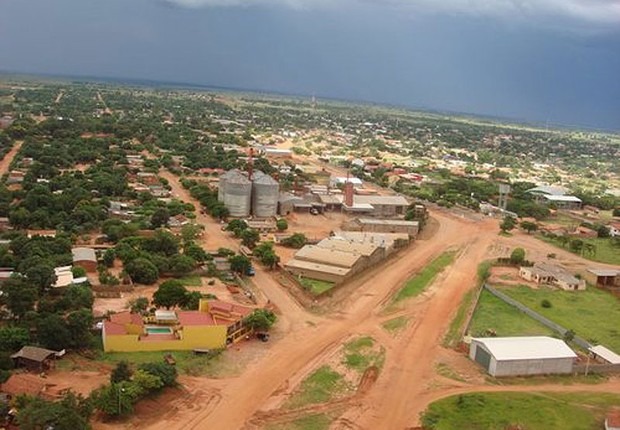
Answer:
[(407, 382), (8, 158)]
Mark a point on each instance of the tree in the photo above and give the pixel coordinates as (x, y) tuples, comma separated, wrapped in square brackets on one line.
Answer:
[(196, 252), (160, 218), (602, 231), (142, 271), (261, 319), (297, 241), (13, 338), (237, 226), (19, 296), (181, 265), (146, 383), (529, 226), (41, 275), (507, 224), (576, 245), (166, 372), (270, 259), (190, 232), (113, 399), (139, 305), (569, 335), (122, 372), (517, 256), (79, 324), (240, 264), (53, 333), (192, 300), (162, 242), (616, 212), (170, 293), (70, 413), (78, 297), (108, 257), (281, 224), (249, 237)]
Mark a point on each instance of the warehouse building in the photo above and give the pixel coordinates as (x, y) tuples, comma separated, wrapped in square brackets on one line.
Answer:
[(519, 356), (371, 253), (389, 242), (322, 272), (383, 226)]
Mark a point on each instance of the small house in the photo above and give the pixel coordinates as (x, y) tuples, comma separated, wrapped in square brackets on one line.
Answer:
[(85, 258), (34, 358)]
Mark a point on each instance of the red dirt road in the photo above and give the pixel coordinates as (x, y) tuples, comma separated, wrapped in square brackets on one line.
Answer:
[(8, 158)]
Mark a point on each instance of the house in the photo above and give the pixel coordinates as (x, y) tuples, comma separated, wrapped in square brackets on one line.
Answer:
[(147, 178), (614, 229), (214, 325), (179, 220), (562, 202), (5, 224), (584, 232), (552, 274), (339, 181), (85, 258), (15, 177), (612, 420), (603, 277), (35, 359), (520, 356), (64, 277), (6, 273), (20, 384)]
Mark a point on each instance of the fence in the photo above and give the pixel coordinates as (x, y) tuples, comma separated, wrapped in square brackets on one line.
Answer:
[(535, 315), (596, 368)]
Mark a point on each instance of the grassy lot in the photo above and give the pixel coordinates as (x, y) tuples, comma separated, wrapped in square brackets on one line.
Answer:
[(359, 354), (605, 251), (314, 286), (420, 281), (188, 363), (494, 314), (321, 386), (453, 336), (535, 411), (447, 372), (309, 422), (592, 314), (395, 325), (191, 281)]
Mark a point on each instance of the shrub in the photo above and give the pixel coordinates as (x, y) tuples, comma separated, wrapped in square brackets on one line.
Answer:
[(546, 304)]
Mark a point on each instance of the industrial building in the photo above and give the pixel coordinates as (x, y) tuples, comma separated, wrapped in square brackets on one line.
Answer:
[(339, 257), (520, 356), (555, 195), (606, 278), (242, 196), (368, 205), (383, 226)]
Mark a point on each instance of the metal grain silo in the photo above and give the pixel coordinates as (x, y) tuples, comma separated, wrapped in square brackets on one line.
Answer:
[(265, 194), (236, 193)]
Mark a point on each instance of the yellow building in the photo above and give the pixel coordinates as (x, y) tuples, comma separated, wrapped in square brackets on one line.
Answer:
[(215, 325)]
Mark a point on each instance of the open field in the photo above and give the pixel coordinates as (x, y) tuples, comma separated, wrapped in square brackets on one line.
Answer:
[(494, 315), (420, 281), (535, 411), (323, 385), (315, 286), (592, 314), (395, 325), (605, 251)]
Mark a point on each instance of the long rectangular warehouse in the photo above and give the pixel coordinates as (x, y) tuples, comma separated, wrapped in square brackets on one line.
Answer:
[(517, 356)]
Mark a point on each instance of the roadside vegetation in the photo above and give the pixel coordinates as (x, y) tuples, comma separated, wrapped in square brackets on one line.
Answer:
[(604, 250), (419, 282), (535, 411), (315, 287)]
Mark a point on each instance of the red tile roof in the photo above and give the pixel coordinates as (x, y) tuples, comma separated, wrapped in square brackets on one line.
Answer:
[(613, 419), (229, 308), (195, 318), (126, 318), (112, 328)]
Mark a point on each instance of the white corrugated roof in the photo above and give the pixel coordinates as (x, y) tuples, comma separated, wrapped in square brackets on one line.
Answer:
[(554, 198), (526, 348), (606, 354)]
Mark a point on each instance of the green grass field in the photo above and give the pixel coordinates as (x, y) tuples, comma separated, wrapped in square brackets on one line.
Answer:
[(494, 314), (535, 411), (309, 422), (423, 279), (321, 386), (314, 286), (605, 251), (593, 314), (187, 362), (191, 281), (395, 325), (359, 354)]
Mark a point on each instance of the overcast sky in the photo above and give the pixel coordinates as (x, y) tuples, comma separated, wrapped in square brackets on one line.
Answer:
[(541, 60)]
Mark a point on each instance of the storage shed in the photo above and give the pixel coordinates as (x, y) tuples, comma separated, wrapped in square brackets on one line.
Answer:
[(85, 258), (518, 356)]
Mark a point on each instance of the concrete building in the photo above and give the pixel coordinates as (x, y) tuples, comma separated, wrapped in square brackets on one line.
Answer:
[(519, 356), (85, 258), (603, 277), (371, 253), (379, 206), (315, 254), (389, 242), (215, 325), (383, 226), (556, 196), (322, 272), (552, 274)]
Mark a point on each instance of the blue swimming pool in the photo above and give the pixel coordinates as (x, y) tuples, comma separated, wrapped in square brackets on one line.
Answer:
[(159, 330)]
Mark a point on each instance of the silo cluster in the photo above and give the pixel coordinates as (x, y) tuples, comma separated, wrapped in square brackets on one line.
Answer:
[(242, 196)]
